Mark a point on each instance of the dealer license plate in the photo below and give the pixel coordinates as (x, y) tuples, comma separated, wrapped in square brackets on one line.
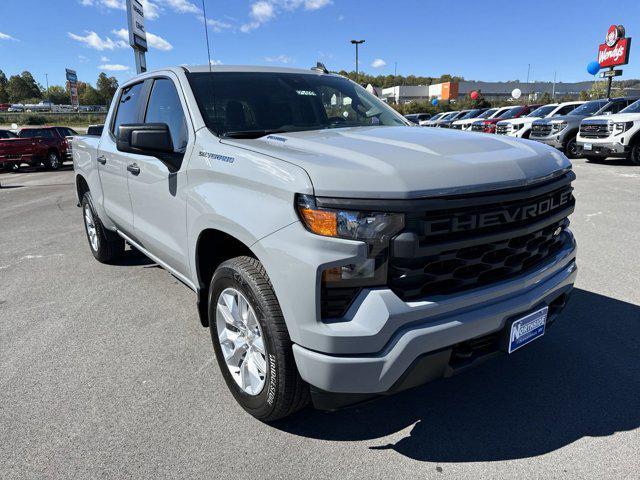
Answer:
[(587, 146), (526, 329)]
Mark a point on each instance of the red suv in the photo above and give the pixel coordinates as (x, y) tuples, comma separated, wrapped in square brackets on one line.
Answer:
[(50, 146), (489, 126)]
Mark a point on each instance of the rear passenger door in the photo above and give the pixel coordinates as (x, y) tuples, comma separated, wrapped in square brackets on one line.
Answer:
[(158, 193)]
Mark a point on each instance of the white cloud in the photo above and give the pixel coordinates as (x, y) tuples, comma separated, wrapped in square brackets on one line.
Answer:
[(182, 6), (86, 3), (279, 59), (83, 59), (104, 59), (217, 25), (113, 67), (316, 4), (340, 18), (151, 10), (115, 4), (154, 41), (6, 36), (378, 63), (93, 40), (215, 62), (262, 11)]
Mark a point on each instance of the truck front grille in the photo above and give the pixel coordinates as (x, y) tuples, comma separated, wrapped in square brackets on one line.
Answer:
[(502, 129), (477, 127), (591, 130), (454, 250), (543, 130)]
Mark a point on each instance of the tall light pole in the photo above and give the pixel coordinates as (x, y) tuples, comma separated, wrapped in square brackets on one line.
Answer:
[(356, 43), (46, 75)]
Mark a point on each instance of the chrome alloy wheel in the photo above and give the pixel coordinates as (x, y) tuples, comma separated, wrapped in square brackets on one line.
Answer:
[(90, 225), (241, 341)]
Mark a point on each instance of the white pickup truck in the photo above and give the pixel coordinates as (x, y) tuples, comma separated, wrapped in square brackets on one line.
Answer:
[(336, 252), (616, 135)]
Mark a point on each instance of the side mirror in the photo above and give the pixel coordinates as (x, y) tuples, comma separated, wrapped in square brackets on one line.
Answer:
[(152, 139)]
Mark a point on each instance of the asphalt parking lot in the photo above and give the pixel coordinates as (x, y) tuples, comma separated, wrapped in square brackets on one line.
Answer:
[(105, 371)]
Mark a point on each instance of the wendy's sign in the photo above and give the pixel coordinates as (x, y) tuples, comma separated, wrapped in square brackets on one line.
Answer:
[(615, 50)]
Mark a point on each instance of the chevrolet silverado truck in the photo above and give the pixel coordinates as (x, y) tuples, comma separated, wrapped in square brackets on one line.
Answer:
[(615, 135), (336, 253), (48, 146), (561, 131), (521, 127)]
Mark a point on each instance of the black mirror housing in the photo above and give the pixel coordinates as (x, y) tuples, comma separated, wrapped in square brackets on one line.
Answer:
[(152, 139)]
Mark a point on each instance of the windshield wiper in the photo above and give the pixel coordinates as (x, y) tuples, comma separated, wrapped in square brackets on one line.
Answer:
[(251, 133)]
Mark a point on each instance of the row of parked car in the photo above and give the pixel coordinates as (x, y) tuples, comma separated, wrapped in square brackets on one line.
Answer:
[(34, 146), (595, 129)]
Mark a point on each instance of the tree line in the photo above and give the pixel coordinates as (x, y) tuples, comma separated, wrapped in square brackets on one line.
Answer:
[(24, 88)]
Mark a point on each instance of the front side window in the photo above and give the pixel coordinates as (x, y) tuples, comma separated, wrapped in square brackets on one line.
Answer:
[(165, 107), (252, 104), (128, 104), (566, 110), (488, 113)]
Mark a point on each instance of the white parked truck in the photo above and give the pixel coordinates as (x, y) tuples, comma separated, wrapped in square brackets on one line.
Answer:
[(336, 253)]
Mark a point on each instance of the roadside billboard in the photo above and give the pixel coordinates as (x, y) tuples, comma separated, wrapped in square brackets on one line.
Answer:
[(72, 85)]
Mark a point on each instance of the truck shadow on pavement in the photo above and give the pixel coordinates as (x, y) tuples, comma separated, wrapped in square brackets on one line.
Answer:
[(581, 379)]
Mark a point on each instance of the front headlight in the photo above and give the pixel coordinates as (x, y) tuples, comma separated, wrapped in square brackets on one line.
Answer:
[(375, 228), (620, 127), (558, 127)]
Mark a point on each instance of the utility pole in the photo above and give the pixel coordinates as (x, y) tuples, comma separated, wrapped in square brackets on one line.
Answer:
[(553, 95), (46, 75), (356, 43), (528, 86), (395, 70)]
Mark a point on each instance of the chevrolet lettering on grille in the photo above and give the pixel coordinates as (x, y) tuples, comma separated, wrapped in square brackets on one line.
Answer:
[(505, 216)]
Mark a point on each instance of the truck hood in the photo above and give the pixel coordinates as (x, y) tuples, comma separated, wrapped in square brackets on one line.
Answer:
[(617, 117), (404, 162), (523, 120), (570, 119)]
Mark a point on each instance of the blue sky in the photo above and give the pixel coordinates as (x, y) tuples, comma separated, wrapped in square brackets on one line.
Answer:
[(480, 40)]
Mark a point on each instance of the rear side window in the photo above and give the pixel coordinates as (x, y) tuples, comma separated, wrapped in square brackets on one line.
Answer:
[(127, 106), (165, 107), (36, 133), (7, 134)]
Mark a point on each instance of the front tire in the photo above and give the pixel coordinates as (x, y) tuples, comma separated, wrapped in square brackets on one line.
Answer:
[(571, 148), (634, 154), (105, 246), (251, 341)]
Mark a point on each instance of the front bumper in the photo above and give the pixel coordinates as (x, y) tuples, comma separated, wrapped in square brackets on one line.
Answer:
[(431, 326), (556, 141), (601, 149)]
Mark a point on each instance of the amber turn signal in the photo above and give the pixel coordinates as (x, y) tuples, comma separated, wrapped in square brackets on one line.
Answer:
[(320, 222)]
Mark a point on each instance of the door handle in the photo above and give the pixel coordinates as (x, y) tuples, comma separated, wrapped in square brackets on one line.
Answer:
[(133, 168), (102, 160)]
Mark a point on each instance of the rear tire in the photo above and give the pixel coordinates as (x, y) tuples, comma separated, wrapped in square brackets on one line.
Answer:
[(105, 246), (278, 390), (53, 161)]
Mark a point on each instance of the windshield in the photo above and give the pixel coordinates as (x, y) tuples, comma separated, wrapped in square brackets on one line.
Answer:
[(448, 116), (589, 108), (542, 111), (488, 113), (437, 116), (254, 104), (633, 108), (512, 112), (470, 114)]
